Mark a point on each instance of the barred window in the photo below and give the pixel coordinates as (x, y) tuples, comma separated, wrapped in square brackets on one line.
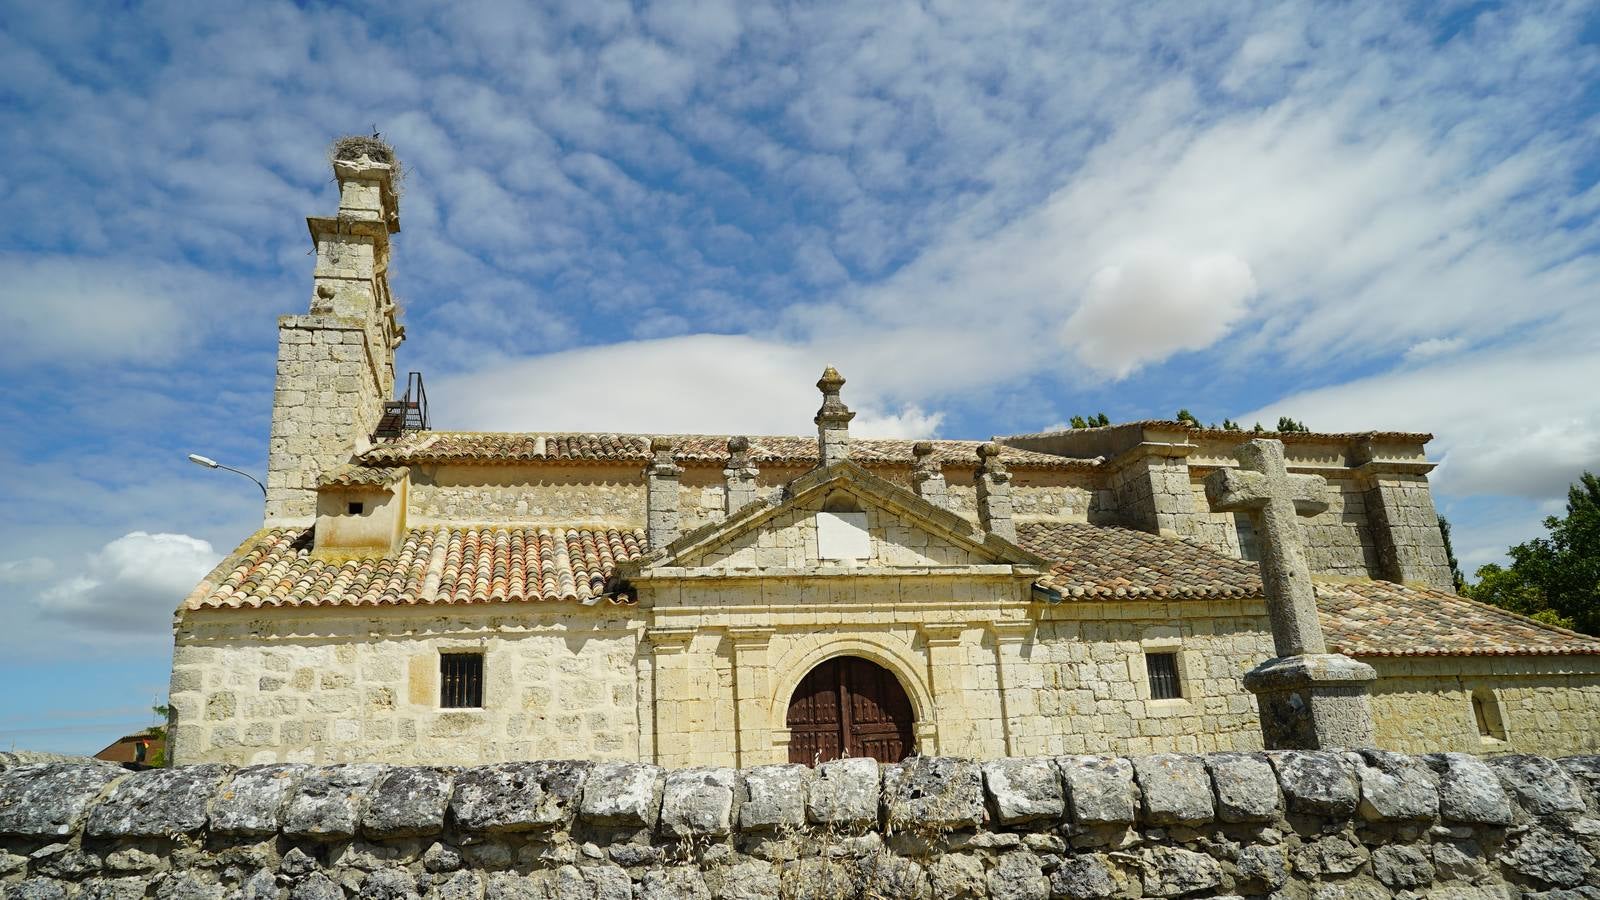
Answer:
[(1163, 669), (461, 680)]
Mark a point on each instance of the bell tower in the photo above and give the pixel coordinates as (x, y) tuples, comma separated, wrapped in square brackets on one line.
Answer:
[(336, 362)]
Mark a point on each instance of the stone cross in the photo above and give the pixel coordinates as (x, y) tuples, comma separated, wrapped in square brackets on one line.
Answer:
[(1263, 489), (739, 477), (1308, 698), (833, 420), (927, 478)]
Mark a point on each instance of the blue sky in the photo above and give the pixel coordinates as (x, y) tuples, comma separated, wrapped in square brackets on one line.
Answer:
[(670, 216)]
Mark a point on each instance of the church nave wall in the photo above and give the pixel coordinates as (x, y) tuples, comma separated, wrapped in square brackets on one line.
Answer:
[(309, 687)]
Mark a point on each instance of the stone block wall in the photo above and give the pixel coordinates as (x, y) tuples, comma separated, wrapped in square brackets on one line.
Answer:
[(1410, 546), (1280, 825), (550, 495), (323, 686), (1547, 705)]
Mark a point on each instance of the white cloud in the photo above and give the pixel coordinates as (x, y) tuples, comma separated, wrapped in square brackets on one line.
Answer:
[(131, 586), (1522, 422), (32, 568), (703, 383), (645, 74), (1433, 347), (1157, 304)]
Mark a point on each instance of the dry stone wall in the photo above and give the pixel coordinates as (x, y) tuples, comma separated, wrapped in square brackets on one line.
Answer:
[(1278, 825)]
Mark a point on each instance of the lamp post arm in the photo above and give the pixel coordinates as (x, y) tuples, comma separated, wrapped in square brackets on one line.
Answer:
[(247, 475)]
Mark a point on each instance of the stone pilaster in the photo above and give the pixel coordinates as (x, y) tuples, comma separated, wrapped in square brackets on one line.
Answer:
[(833, 420), (927, 478), (1151, 486), (752, 689), (739, 478), (336, 364), (1015, 700), (1405, 525), (994, 493), (674, 687), (661, 494)]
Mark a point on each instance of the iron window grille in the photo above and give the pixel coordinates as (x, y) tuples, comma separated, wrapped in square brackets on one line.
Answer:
[(1163, 670), (461, 680)]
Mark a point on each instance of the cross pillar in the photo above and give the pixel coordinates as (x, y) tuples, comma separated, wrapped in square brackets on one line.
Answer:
[(1309, 699)]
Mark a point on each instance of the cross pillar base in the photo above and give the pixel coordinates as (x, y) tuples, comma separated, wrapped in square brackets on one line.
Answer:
[(1317, 701)]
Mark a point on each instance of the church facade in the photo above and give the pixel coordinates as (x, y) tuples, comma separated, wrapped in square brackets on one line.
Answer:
[(421, 596)]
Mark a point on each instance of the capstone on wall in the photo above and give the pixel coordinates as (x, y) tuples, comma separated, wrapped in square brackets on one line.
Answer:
[(1282, 824), (337, 686), (531, 494)]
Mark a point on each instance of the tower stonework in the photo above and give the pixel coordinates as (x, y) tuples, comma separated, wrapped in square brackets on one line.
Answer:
[(336, 362)]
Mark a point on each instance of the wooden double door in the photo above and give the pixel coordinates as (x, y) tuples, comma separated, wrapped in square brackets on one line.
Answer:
[(849, 706)]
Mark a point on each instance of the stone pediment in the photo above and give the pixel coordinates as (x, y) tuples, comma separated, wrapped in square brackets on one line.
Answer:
[(838, 519)]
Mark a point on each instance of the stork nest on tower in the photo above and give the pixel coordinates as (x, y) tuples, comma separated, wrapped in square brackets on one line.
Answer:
[(352, 147)]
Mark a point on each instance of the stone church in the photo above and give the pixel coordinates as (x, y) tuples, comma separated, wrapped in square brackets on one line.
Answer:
[(420, 596)]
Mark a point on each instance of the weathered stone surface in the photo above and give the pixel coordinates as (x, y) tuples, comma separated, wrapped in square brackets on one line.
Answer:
[(1402, 867), (1458, 861), (131, 887), (389, 884), (844, 792), (1174, 871), (773, 797), (893, 877), (297, 862), (1539, 785), (746, 881), (678, 883), (408, 801), (1100, 789), (1018, 875), (1024, 790), (252, 801), (262, 885), (459, 886), (36, 889), (956, 876), (522, 796), (316, 886), (1395, 787), (1332, 855), (1263, 866), (510, 886), (698, 802), (327, 801), (1176, 789), (1548, 858), (157, 802), (1246, 787), (933, 792), (1469, 790), (623, 793), (1082, 876), (1317, 783), (48, 799), (188, 886)]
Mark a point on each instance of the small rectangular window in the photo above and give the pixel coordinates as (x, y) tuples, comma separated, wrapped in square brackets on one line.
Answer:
[(1246, 530), (357, 508), (1163, 669), (1486, 710), (461, 680)]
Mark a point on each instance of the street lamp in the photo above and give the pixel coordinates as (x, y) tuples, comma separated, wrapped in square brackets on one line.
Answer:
[(210, 463)]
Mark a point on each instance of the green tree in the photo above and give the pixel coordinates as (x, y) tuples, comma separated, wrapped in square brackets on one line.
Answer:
[(1188, 419), (1230, 425), (1286, 424), (1079, 422), (1456, 577), (1101, 420), (1554, 579), (158, 731)]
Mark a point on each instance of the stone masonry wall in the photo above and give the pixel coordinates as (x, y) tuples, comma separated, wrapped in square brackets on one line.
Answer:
[(323, 687), (1547, 705), (1279, 825)]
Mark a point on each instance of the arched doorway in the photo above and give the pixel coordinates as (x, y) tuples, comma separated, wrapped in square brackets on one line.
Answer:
[(848, 706)]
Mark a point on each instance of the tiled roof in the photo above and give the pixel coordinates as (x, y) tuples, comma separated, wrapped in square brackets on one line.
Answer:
[(1288, 437), (1360, 617), (1380, 618), (353, 475), (1097, 562), (435, 565), (511, 447)]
